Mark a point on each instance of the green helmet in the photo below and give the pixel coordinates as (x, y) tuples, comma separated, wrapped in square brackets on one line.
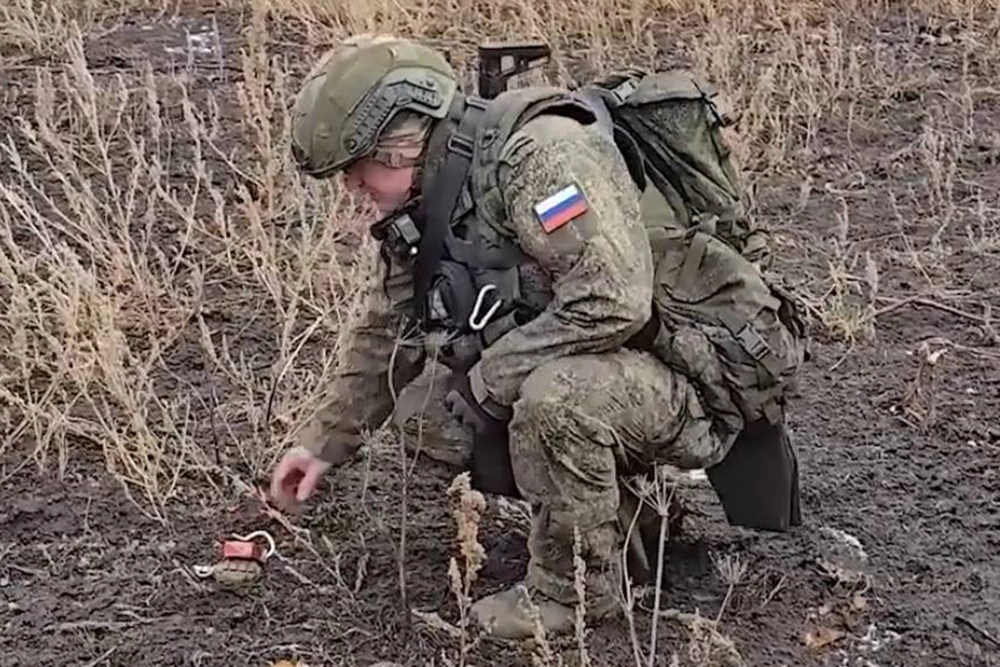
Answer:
[(344, 107)]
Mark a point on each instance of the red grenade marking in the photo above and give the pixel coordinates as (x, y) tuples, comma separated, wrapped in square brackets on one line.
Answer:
[(242, 550)]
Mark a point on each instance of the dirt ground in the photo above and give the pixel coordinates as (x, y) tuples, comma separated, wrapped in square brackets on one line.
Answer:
[(897, 435)]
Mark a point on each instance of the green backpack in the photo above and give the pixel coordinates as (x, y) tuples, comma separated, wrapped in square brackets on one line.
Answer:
[(710, 291)]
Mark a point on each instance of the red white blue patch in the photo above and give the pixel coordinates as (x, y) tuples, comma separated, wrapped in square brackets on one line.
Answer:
[(555, 211)]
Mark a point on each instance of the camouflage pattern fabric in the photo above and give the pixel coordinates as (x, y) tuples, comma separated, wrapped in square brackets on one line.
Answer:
[(585, 409), (582, 424), (599, 263)]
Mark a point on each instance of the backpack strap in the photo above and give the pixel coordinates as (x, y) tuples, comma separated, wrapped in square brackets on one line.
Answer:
[(434, 213), (482, 133), (700, 236), (504, 116)]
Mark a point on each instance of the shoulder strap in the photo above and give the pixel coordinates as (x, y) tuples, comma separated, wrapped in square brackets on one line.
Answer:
[(604, 101), (481, 134), (505, 116), (437, 205)]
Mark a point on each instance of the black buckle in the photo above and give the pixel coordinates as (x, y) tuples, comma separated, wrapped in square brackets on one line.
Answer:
[(461, 145), (624, 90), (753, 342)]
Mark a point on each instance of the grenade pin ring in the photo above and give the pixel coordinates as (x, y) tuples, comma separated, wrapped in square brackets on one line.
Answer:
[(271, 547)]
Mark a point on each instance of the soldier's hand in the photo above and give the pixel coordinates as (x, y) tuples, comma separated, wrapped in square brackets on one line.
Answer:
[(296, 476), (490, 462), (462, 406)]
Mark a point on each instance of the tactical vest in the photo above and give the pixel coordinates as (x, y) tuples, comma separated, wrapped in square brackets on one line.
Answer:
[(482, 285)]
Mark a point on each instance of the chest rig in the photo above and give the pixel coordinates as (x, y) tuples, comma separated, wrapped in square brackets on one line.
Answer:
[(471, 280)]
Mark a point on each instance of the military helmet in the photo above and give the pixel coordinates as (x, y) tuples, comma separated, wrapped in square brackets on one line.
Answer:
[(350, 98)]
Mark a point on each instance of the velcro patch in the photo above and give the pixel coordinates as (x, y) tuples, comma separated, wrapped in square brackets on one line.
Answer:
[(555, 211)]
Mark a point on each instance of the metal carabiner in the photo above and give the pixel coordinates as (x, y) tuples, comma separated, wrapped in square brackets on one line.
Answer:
[(477, 323)]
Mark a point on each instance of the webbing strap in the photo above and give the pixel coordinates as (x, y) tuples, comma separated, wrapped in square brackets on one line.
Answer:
[(659, 242), (753, 344), (437, 205), (692, 260)]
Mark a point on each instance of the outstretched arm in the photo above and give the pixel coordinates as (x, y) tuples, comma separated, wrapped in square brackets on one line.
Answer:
[(359, 397)]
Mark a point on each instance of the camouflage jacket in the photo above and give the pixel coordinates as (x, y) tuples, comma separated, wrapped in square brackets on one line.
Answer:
[(572, 209)]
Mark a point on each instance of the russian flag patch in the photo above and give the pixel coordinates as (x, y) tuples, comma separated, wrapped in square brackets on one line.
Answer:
[(555, 211)]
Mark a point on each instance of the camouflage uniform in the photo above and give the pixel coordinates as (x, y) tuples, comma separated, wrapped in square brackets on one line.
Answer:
[(585, 410)]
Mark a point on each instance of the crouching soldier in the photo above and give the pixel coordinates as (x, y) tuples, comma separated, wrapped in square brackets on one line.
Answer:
[(514, 250)]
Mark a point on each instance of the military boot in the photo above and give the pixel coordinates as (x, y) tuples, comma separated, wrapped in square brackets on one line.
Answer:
[(513, 613), (550, 585)]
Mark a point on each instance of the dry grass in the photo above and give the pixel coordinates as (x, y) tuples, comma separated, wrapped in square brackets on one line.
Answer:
[(175, 296), (136, 212), (128, 229)]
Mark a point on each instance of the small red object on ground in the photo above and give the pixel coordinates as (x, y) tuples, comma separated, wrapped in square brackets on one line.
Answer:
[(243, 550), (243, 558)]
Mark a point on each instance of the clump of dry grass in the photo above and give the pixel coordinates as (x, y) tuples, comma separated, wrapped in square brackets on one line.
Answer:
[(468, 507), (127, 232)]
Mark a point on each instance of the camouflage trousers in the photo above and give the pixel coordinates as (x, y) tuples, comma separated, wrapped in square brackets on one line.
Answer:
[(581, 426)]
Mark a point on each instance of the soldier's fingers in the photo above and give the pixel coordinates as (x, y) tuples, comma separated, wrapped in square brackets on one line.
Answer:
[(278, 478), (286, 477), (309, 482)]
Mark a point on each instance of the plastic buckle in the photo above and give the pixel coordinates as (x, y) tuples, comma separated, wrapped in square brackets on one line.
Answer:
[(478, 103), (753, 342), (404, 235), (624, 90), (461, 145)]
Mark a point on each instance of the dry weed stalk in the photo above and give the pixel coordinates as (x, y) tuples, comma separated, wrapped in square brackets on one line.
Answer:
[(580, 586), (939, 152), (543, 654), (918, 402), (707, 645), (468, 506), (657, 494)]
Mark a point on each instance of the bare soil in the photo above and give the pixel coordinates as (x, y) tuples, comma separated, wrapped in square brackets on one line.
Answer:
[(86, 578)]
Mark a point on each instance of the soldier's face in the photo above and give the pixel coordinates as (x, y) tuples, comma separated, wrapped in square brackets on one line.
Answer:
[(387, 187)]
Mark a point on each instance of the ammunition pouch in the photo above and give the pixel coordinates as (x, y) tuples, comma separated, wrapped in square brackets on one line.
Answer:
[(758, 480)]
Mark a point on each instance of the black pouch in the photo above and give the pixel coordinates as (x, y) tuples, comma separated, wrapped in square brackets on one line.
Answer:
[(758, 481)]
